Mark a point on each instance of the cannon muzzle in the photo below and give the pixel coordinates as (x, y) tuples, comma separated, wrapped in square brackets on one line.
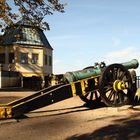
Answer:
[(95, 71), (133, 64)]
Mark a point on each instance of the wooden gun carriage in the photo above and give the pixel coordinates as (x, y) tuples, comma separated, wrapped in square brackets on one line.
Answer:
[(114, 85)]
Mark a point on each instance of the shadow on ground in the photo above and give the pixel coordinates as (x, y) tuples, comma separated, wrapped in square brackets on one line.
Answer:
[(123, 129), (62, 111)]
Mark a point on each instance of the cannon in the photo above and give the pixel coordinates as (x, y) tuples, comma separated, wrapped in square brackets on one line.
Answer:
[(96, 70), (113, 85)]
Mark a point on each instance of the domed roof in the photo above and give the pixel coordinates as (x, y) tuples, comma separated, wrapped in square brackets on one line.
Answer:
[(24, 32)]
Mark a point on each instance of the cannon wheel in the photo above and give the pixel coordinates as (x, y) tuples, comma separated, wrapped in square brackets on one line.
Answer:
[(115, 87), (91, 97)]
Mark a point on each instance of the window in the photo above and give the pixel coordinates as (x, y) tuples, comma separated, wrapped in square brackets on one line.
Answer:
[(50, 60), (11, 58), (2, 58), (24, 58), (46, 60), (34, 58)]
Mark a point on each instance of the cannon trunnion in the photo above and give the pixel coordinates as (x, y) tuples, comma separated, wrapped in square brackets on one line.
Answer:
[(113, 85)]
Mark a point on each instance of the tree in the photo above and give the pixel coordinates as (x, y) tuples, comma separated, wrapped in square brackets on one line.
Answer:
[(34, 10)]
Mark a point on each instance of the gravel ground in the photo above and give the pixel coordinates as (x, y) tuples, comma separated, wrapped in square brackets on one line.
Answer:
[(71, 120)]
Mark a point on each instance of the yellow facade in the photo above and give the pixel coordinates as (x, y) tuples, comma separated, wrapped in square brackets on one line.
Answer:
[(24, 48), (40, 68)]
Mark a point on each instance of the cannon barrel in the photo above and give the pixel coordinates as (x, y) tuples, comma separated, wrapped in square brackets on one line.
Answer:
[(81, 74), (133, 64), (95, 71)]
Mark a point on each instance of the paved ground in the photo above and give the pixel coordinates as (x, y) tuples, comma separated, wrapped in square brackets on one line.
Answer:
[(70, 120)]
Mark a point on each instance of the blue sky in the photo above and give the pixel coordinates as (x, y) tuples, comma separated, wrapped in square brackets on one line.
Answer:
[(93, 31)]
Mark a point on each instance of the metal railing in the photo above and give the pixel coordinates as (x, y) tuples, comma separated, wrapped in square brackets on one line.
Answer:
[(137, 80)]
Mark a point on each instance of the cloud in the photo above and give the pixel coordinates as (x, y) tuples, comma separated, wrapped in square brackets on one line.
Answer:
[(123, 55), (120, 54)]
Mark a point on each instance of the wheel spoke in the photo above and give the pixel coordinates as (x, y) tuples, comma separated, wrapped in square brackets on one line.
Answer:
[(122, 75), (111, 94), (121, 96), (108, 88), (114, 74), (115, 98), (87, 94), (91, 95), (96, 95), (117, 73)]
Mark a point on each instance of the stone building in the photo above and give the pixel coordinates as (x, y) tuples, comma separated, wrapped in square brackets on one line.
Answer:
[(24, 48)]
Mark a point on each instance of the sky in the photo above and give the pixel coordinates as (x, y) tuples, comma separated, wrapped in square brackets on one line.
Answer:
[(94, 31)]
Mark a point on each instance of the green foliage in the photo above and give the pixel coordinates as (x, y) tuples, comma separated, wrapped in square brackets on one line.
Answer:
[(33, 10)]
